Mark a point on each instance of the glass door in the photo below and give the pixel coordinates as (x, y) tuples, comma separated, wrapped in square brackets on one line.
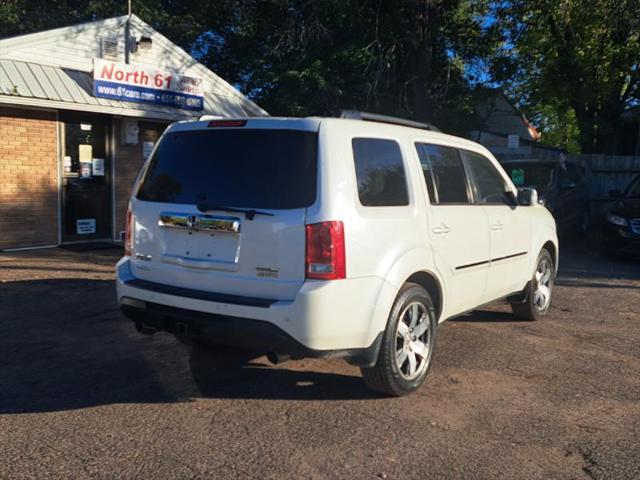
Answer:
[(86, 180)]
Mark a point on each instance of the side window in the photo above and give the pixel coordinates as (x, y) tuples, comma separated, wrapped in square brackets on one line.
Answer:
[(380, 172), (426, 171), (491, 187), (444, 174), (570, 174)]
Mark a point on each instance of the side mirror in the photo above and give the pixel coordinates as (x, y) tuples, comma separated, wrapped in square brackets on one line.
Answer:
[(615, 193), (527, 197)]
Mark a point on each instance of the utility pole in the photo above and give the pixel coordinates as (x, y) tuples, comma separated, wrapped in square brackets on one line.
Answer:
[(127, 33)]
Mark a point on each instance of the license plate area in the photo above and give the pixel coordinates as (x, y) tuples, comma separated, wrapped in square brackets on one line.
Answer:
[(200, 241)]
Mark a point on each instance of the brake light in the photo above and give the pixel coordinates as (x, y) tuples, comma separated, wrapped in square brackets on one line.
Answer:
[(325, 256), (128, 234), (227, 123)]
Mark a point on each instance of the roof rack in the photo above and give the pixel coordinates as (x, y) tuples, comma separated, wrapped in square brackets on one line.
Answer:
[(376, 117)]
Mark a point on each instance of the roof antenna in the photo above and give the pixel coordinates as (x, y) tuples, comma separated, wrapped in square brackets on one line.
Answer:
[(127, 32)]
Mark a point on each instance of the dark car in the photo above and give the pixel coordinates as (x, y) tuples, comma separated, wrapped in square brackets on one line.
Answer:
[(621, 230), (562, 187)]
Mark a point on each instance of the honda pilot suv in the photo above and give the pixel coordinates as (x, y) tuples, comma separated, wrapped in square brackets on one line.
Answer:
[(329, 238)]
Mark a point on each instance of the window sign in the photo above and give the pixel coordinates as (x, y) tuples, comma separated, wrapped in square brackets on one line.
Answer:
[(86, 160), (85, 127), (67, 165), (85, 226), (98, 167), (136, 83), (147, 148), (517, 175)]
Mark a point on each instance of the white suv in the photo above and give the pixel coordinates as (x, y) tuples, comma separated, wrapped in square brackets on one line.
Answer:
[(329, 237)]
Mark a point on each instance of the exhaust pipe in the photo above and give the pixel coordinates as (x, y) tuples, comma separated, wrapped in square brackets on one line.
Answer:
[(145, 329), (277, 358)]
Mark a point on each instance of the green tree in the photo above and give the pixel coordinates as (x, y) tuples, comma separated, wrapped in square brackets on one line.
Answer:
[(303, 57), (407, 57), (577, 57)]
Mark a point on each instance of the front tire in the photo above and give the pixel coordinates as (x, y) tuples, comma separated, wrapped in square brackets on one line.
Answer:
[(540, 289), (408, 344)]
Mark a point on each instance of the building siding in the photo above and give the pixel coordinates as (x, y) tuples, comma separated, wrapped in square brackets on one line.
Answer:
[(28, 178)]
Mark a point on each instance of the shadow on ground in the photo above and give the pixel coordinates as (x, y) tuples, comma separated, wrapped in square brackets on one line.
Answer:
[(65, 345)]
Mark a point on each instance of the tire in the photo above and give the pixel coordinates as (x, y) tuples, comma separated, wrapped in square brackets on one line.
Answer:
[(538, 301), (396, 377)]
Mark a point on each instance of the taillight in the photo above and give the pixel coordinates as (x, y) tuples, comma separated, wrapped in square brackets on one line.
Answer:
[(128, 234), (227, 123), (325, 258)]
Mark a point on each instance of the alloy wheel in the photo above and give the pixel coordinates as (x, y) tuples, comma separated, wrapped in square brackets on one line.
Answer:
[(413, 341)]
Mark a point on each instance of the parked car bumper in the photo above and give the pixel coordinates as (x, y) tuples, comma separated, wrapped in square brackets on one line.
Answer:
[(326, 319), (620, 239)]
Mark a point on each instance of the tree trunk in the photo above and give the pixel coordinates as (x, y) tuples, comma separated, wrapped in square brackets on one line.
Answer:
[(586, 125)]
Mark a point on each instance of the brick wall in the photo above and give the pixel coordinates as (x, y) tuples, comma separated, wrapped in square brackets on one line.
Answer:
[(28, 178), (128, 161)]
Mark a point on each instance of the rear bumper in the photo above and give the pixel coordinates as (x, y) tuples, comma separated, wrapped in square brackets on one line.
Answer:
[(342, 318), (233, 331), (620, 239)]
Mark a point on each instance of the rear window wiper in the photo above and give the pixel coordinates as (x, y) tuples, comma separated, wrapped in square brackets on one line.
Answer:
[(249, 213)]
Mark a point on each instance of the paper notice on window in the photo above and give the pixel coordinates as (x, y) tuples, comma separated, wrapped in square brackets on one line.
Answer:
[(85, 226), (147, 148), (86, 153), (98, 167), (517, 175)]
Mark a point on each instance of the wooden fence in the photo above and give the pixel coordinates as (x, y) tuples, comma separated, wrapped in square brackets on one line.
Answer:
[(606, 173)]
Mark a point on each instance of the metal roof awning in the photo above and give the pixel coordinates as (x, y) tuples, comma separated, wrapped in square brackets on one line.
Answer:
[(35, 85)]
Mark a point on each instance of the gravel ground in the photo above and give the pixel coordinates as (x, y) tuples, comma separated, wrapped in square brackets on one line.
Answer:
[(83, 395)]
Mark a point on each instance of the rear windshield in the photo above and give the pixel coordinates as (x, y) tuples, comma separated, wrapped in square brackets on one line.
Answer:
[(270, 169)]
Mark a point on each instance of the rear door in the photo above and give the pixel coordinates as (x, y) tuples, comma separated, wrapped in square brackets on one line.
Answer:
[(509, 226), (572, 194), (459, 231), (223, 210)]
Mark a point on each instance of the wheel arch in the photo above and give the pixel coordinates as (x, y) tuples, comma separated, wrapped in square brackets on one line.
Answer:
[(552, 248), (416, 266), (431, 284)]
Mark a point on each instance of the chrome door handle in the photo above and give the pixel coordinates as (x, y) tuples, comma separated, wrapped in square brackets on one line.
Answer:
[(440, 230), (497, 226)]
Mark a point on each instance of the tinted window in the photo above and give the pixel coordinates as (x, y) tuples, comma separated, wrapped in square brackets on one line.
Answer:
[(530, 174), (490, 185), (380, 172), (570, 174), (272, 169), (633, 190), (445, 175), (426, 171)]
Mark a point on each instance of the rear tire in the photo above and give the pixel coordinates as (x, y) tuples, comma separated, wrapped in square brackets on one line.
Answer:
[(540, 290), (408, 344)]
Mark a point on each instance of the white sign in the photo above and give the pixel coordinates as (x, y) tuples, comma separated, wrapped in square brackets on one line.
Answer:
[(147, 148), (98, 167), (513, 141), (86, 226), (137, 83), (85, 169)]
